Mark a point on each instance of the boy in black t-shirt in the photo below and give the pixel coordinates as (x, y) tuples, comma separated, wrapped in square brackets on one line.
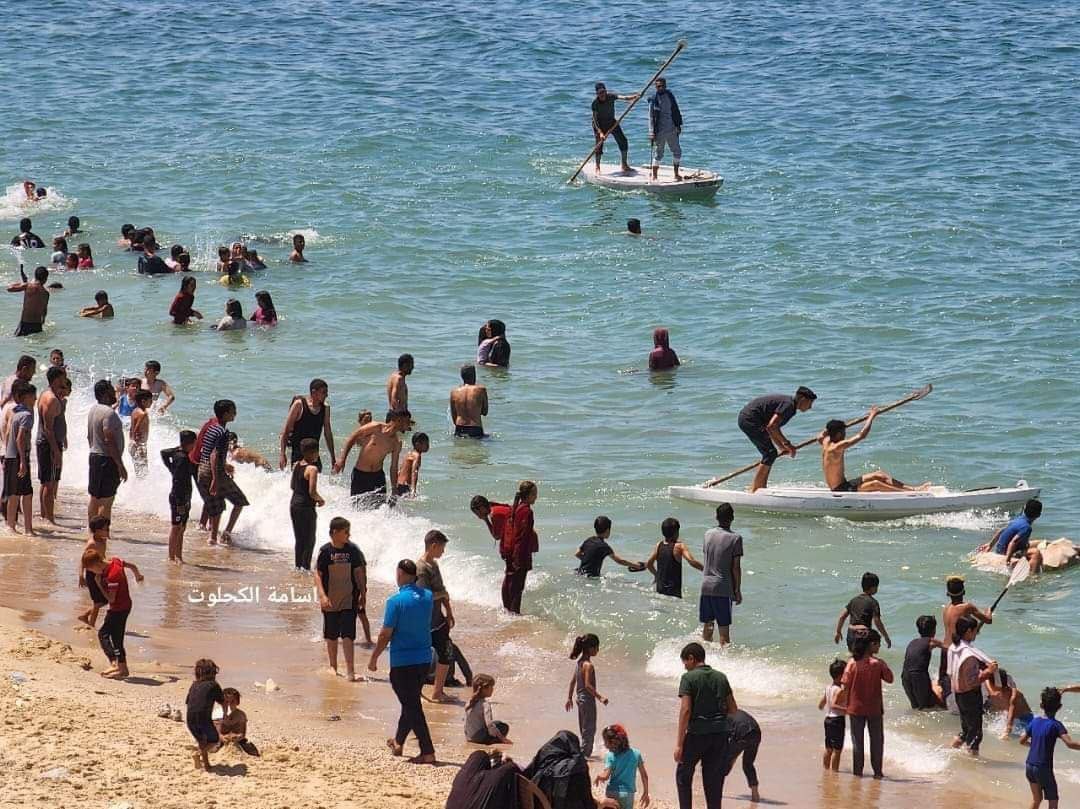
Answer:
[(863, 610), (595, 550), (341, 584), (183, 472)]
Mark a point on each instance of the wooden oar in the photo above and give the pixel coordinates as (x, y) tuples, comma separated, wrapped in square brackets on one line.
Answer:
[(914, 396), (678, 49), (1021, 571)]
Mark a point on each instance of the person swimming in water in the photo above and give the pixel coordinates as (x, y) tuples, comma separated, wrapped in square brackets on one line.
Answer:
[(297, 254), (468, 405), (834, 444), (662, 357)]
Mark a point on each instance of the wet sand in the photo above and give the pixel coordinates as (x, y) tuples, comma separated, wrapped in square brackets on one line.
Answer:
[(173, 623)]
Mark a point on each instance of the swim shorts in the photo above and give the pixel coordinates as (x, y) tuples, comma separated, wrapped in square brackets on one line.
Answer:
[(834, 732), (715, 608), (917, 687), (47, 473), (760, 439), (27, 328), (179, 513), (339, 624), (440, 642), (619, 137), (96, 595), (104, 477), (470, 431), (14, 485), (202, 727), (850, 485), (670, 139), (1044, 777), (368, 488)]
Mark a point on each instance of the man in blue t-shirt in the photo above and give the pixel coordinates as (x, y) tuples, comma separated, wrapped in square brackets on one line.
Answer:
[(1041, 736), (1014, 540), (407, 631)]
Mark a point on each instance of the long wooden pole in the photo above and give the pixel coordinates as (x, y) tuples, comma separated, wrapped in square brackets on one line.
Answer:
[(914, 396), (678, 49)]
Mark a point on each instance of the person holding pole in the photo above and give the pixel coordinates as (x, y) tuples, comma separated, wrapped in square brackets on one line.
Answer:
[(761, 421), (665, 126), (834, 443), (604, 124)]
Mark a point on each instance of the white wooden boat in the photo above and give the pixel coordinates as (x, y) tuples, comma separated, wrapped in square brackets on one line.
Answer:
[(814, 501), (692, 182)]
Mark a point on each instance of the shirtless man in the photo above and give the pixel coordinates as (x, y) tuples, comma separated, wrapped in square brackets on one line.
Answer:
[(35, 302), (308, 418), (241, 454), (833, 446), (468, 405), (377, 439), (397, 391), (51, 440), (157, 386), (950, 614)]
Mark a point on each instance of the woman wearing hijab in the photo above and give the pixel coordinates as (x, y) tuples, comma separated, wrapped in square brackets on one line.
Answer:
[(662, 357)]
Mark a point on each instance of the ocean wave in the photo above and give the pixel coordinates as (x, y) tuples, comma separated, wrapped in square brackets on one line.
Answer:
[(284, 238), (15, 205)]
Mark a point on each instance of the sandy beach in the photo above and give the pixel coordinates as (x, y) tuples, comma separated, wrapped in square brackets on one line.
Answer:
[(314, 723)]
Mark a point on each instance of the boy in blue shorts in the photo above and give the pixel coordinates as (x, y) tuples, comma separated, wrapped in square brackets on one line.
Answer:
[(1041, 736)]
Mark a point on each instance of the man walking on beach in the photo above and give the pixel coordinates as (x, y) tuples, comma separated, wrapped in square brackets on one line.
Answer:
[(24, 372), (105, 434), (308, 418), (377, 439), (721, 579), (407, 631), (429, 576), (397, 390), (705, 702), (665, 126), (603, 123), (761, 421), (468, 405)]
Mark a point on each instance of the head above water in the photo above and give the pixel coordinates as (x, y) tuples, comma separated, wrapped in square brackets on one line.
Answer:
[(434, 537), (233, 309), (693, 652), (661, 338), (225, 410), (926, 625), (1050, 701), (468, 374), (421, 443), (25, 367), (835, 429), (965, 629), (836, 670), (25, 225), (405, 363), (480, 506), (954, 588), (187, 284), (602, 526), (41, 274), (669, 529), (73, 224), (870, 582), (496, 328), (633, 226), (724, 515), (406, 572), (401, 419), (309, 448), (104, 392)]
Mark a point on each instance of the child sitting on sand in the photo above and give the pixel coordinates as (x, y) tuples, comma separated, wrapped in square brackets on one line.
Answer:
[(622, 763), (99, 537), (112, 580), (202, 695), (834, 718), (480, 727), (232, 727), (409, 475), (583, 689)]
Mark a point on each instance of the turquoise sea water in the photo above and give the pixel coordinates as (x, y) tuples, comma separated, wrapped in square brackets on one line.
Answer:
[(899, 207)]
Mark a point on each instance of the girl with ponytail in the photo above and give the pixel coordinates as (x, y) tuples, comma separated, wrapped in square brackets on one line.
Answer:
[(519, 544), (583, 689), (480, 727)]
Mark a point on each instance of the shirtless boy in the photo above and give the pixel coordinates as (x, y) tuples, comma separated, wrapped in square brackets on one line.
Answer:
[(140, 431), (408, 479), (397, 391), (377, 439), (950, 614), (35, 302), (833, 446), (468, 405), (51, 439), (157, 386)]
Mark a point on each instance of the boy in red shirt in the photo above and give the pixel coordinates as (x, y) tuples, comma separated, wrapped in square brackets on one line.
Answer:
[(860, 693), (112, 579)]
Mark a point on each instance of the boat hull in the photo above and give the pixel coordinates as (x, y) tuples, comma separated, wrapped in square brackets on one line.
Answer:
[(697, 182)]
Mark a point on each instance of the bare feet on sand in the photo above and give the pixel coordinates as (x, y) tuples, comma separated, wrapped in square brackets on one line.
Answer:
[(395, 748)]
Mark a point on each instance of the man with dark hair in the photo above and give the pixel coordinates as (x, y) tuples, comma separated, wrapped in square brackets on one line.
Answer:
[(216, 484), (429, 576), (705, 702), (150, 263), (51, 440), (665, 127), (377, 439), (499, 351), (922, 693), (309, 417), (105, 434), (761, 421), (24, 372), (397, 390), (35, 302), (27, 238), (604, 123), (834, 443), (721, 579), (1014, 540), (407, 631), (468, 405)]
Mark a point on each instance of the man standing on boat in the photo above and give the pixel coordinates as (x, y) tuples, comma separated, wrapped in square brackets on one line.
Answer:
[(761, 421), (834, 443), (603, 123), (665, 126)]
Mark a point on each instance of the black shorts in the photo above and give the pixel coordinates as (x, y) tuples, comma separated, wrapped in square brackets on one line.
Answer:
[(202, 727), (917, 687), (47, 471), (616, 133), (368, 488), (14, 485), (1044, 777), (27, 328), (850, 485), (227, 490), (834, 732), (402, 489), (469, 431), (96, 595), (440, 642), (760, 439), (179, 512), (340, 624), (104, 477)]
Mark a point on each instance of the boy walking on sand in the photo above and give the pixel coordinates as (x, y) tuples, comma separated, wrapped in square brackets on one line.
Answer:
[(112, 579), (862, 611), (99, 537), (183, 472), (341, 583)]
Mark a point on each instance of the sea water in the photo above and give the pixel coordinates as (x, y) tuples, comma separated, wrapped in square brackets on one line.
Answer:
[(899, 207)]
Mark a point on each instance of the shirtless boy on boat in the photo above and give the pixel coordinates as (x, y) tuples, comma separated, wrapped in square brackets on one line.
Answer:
[(834, 444)]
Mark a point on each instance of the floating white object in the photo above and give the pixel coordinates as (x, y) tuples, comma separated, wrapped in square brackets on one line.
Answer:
[(694, 182), (811, 501)]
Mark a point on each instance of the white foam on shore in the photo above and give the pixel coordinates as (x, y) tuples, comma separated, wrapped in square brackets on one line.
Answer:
[(749, 671), (284, 238), (15, 205), (385, 535), (914, 756)]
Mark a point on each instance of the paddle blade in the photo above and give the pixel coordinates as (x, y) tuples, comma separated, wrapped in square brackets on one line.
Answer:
[(1020, 572), (681, 44), (922, 393)]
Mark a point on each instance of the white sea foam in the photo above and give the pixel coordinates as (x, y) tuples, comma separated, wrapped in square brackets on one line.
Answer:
[(15, 205), (284, 238), (916, 756), (749, 671)]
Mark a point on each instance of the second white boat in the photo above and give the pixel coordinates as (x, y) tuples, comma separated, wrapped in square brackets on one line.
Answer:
[(691, 183)]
